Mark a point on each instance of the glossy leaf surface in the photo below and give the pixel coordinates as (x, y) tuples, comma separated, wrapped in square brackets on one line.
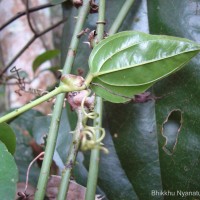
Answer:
[(134, 134), (136, 146), (112, 178), (8, 174), (180, 169), (135, 60)]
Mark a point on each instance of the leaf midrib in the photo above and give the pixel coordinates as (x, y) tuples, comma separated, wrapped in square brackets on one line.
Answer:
[(142, 63), (149, 81)]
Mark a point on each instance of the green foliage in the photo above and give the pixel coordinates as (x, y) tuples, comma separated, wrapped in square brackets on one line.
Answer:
[(48, 55), (134, 135), (7, 136), (153, 146), (136, 129), (128, 63), (8, 174), (181, 92)]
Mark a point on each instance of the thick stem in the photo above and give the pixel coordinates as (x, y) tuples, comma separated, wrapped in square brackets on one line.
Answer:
[(53, 132), (121, 16), (95, 153), (71, 157)]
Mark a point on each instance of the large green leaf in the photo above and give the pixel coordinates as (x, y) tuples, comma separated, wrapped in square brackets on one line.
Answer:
[(8, 174), (134, 60), (180, 161), (134, 134), (7, 136), (115, 185)]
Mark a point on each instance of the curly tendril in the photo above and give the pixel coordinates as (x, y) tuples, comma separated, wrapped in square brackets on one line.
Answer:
[(89, 138)]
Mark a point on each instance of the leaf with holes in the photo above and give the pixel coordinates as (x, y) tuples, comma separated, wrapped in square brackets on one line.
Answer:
[(130, 62), (178, 113)]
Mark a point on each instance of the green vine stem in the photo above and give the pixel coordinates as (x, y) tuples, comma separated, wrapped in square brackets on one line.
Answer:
[(34, 103), (62, 193), (53, 132), (30, 105), (121, 16), (95, 153), (63, 88)]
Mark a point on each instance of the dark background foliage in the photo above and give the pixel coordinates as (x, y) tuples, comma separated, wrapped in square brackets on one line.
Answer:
[(154, 146)]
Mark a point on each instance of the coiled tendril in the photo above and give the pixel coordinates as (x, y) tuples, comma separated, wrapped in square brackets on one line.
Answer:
[(89, 137)]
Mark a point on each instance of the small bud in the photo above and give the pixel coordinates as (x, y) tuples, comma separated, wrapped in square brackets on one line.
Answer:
[(72, 80)]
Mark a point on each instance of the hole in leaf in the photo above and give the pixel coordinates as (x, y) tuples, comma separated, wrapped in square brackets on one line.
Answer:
[(170, 130)]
